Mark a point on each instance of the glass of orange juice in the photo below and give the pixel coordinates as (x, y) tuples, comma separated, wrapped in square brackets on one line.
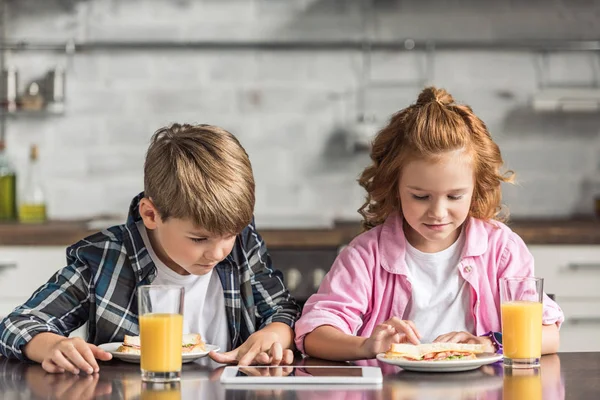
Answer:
[(161, 332), (521, 305)]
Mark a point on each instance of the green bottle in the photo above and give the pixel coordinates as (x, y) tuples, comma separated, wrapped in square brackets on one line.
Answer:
[(8, 187), (32, 205)]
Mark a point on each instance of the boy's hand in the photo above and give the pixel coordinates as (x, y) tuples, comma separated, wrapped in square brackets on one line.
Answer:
[(262, 347), (466, 337), (74, 355), (394, 330)]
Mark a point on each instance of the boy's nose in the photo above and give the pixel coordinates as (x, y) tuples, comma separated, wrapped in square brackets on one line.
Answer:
[(213, 255)]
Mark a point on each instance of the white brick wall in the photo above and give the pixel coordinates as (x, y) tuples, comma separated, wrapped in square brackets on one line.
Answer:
[(284, 106)]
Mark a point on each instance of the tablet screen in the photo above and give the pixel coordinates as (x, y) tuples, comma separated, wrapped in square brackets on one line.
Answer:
[(299, 371), (350, 375)]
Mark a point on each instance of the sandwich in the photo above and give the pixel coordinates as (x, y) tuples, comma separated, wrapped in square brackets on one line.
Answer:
[(190, 343), (434, 351)]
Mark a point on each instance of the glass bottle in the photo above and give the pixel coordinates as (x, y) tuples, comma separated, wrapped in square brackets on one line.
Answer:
[(32, 205), (8, 187)]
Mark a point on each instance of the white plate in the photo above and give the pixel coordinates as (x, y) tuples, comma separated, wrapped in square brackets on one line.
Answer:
[(442, 366), (134, 358)]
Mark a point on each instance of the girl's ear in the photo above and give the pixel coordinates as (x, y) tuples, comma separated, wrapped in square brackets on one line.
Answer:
[(149, 213)]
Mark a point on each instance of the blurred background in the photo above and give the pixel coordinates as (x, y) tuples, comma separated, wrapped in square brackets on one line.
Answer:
[(304, 84)]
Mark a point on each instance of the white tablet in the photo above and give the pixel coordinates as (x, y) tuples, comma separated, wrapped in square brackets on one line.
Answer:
[(347, 375)]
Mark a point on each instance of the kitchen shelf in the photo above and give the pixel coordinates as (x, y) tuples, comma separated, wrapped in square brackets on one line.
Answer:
[(294, 45), (32, 113)]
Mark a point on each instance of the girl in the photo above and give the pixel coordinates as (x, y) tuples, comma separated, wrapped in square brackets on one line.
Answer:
[(429, 264)]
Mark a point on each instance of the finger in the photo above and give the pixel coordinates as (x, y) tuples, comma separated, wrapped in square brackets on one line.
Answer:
[(262, 358), (51, 367), (442, 338), (385, 332), (456, 337), (276, 353), (404, 327), (88, 355), (288, 357), (59, 359), (249, 357), (224, 358), (414, 327), (276, 371), (74, 355), (99, 353)]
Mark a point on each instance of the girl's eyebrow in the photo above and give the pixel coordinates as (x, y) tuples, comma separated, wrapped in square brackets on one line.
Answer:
[(425, 190)]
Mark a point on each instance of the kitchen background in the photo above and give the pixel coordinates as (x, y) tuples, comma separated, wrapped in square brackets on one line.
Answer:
[(305, 84), (298, 108)]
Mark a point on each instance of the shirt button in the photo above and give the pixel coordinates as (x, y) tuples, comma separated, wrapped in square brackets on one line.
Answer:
[(467, 269)]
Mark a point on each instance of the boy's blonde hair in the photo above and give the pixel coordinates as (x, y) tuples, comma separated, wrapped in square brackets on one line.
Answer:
[(201, 173), (424, 130)]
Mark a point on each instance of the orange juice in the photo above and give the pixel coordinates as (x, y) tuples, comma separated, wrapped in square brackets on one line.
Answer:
[(160, 336), (522, 329), (522, 387)]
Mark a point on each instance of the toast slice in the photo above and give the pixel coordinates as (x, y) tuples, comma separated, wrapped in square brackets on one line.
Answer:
[(191, 342), (434, 351)]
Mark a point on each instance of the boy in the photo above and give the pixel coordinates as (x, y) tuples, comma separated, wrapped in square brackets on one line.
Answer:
[(192, 226)]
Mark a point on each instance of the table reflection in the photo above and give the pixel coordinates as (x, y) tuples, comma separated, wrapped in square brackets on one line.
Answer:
[(118, 380)]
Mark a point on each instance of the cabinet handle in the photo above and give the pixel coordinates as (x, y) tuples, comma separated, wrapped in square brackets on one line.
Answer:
[(584, 266), (583, 320), (7, 265)]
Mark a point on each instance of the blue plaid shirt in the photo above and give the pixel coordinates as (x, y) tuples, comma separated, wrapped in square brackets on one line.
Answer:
[(98, 286)]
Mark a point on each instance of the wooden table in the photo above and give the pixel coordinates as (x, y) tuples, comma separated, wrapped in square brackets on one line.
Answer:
[(562, 376)]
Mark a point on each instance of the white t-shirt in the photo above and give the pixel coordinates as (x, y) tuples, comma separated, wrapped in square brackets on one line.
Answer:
[(204, 303), (440, 301)]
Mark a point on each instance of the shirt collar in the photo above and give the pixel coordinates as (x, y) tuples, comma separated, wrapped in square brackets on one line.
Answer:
[(140, 259), (392, 242)]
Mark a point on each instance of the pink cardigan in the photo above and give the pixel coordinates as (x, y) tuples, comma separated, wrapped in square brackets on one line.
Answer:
[(368, 283)]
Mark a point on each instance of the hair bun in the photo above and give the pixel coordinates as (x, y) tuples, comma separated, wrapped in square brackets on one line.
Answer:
[(432, 94)]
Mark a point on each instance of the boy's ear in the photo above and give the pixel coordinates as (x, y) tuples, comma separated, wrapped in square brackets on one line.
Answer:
[(149, 213)]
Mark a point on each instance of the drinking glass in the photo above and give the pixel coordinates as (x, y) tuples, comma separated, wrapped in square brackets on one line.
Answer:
[(521, 305), (161, 332)]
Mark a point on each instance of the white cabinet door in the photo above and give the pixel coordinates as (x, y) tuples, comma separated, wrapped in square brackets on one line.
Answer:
[(581, 329), (572, 271), (572, 274), (23, 269)]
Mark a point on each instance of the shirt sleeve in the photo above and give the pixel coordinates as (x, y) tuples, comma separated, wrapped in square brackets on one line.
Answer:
[(59, 306), (342, 299), (517, 260), (273, 301)]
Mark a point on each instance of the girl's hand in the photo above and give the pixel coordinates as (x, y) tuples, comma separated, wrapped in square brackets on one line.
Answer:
[(466, 337), (394, 330)]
